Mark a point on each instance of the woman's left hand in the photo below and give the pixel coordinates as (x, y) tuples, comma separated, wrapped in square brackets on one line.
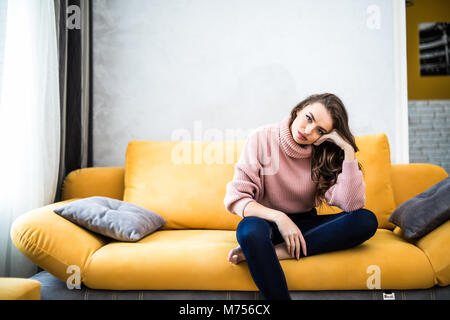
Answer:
[(334, 137)]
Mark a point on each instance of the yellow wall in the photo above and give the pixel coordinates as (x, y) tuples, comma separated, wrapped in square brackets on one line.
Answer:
[(429, 87)]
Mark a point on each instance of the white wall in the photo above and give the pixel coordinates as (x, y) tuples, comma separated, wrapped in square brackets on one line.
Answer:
[(161, 65)]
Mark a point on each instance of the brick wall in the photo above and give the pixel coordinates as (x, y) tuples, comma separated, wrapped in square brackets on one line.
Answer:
[(429, 132)]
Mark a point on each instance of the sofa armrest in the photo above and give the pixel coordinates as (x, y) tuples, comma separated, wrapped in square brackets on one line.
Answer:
[(97, 181), (54, 243), (436, 246), (408, 180)]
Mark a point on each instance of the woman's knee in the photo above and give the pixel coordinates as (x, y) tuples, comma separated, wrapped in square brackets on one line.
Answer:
[(367, 222), (253, 230)]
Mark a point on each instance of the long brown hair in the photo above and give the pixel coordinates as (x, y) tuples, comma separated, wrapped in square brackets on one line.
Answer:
[(327, 158)]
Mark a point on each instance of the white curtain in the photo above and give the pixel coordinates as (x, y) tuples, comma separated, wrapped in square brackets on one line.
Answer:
[(29, 122)]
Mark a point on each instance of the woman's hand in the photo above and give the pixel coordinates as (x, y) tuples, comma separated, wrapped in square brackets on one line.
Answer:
[(334, 137), (291, 235)]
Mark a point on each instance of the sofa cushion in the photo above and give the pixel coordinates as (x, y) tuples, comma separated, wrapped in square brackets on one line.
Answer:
[(184, 182), (111, 217), (197, 260), (19, 289), (424, 212), (94, 181), (436, 246), (374, 156), (52, 242)]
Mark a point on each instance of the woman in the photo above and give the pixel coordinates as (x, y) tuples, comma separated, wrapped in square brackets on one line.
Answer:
[(284, 172)]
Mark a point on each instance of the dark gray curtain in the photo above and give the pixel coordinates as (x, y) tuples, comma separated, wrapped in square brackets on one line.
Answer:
[(74, 21)]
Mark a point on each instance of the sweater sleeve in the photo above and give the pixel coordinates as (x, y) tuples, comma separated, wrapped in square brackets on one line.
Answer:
[(348, 193), (246, 185)]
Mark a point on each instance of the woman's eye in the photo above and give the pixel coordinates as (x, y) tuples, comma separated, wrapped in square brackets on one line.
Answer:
[(307, 117)]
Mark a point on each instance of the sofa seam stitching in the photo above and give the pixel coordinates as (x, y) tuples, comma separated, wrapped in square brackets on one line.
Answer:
[(88, 263), (34, 246), (435, 280)]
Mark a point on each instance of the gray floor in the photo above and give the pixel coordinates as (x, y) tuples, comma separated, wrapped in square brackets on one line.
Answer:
[(54, 289)]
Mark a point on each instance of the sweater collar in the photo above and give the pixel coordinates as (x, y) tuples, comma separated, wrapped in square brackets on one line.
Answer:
[(288, 144)]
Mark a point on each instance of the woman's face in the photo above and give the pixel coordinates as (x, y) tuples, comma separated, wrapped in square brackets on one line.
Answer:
[(312, 122)]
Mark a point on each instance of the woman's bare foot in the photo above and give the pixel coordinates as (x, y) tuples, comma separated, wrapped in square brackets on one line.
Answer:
[(236, 255)]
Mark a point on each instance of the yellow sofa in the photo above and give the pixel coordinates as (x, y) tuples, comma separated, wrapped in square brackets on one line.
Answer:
[(19, 289), (185, 183)]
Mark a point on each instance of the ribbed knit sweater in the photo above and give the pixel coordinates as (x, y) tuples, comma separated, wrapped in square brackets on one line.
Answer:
[(275, 171)]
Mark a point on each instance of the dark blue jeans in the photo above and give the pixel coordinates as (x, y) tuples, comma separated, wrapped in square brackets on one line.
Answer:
[(322, 233)]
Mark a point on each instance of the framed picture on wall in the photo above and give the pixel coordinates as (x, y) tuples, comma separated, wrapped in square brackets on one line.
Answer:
[(434, 45)]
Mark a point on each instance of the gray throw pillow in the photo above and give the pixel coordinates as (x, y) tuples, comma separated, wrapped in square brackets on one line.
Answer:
[(425, 212), (112, 218)]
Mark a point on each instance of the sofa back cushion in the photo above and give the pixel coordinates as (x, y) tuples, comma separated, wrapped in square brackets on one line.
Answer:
[(375, 158), (185, 182)]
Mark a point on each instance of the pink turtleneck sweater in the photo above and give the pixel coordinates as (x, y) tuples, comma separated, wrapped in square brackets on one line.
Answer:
[(275, 171)]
